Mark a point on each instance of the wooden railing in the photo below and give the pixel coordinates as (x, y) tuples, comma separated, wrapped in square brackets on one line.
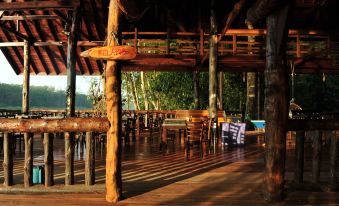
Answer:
[(235, 42), (48, 127)]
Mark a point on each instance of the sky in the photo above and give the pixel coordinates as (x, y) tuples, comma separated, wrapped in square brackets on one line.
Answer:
[(8, 76)]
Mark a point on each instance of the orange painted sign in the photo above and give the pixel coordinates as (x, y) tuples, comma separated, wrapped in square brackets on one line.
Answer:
[(111, 53)]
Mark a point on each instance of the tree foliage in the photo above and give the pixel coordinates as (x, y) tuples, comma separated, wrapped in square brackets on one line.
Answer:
[(40, 97)]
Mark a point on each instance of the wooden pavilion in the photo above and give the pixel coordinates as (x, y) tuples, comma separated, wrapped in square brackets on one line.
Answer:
[(46, 38)]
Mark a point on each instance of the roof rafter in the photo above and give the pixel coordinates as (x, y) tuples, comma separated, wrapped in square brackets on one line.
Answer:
[(37, 5), (34, 67), (37, 51), (18, 34), (28, 17)]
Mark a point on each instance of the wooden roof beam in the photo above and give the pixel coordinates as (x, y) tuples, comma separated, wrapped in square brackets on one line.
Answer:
[(34, 66), (37, 51), (38, 5), (29, 17), (17, 34)]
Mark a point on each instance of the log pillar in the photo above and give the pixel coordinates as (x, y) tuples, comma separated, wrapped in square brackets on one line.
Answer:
[(333, 161), (316, 156), (48, 159), (299, 156), (276, 92), (26, 77), (8, 160), (70, 107), (213, 64), (90, 160), (28, 138), (114, 110)]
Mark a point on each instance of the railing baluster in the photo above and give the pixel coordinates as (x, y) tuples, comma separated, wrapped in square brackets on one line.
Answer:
[(69, 158), (201, 42), (316, 156), (299, 156), (234, 43), (8, 160), (298, 47), (136, 38), (28, 164), (90, 160), (48, 159)]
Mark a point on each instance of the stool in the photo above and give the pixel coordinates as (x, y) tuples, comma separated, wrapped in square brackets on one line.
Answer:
[(38, 174)]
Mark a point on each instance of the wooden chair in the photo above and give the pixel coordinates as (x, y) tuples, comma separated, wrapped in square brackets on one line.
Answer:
[(194, 131)]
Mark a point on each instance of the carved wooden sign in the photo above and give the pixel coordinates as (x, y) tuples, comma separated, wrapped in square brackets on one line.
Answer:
[(111, 53)]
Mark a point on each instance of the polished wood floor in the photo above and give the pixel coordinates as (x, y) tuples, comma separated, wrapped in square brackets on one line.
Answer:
[(224, 177)]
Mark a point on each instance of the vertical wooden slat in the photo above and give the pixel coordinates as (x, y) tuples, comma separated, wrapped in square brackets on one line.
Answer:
[(196, 89), (48, 159), (316, 156), (8, 160), (201, 43), (90, 160), (298, 47), (333, 161), (136, 38), (28, 164), (234, 43), (299, 156), (114, 110)]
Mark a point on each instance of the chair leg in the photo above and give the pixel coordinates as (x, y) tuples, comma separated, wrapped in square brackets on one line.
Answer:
[(187, 150)]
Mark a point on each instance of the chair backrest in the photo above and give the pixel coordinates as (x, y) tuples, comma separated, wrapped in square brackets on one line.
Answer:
[(194, 130)]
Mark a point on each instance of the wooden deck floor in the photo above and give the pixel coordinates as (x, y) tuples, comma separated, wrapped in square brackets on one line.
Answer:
[(229, 177)]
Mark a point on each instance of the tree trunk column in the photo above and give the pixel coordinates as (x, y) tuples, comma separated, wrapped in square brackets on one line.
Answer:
[(113, 102), (28, 138), (276, 105), (70, 108), (213, 64)]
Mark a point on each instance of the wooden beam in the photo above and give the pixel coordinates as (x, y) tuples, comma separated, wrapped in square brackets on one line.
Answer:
[(17, 34), (29, 17), (37, 5), (37, 51), (113, 102), (54, 125)]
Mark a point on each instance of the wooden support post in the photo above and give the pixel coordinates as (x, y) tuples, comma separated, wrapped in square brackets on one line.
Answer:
[(213, 64), (258, 95), (28, 164), (299, 157), (333, 161), (316, 156), (48, 159), (8, 160), (114, 110), (90, 160), (71, 78), (276, 104), (26, 77)]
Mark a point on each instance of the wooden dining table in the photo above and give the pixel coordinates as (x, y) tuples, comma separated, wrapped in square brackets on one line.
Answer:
[(170, 124)]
